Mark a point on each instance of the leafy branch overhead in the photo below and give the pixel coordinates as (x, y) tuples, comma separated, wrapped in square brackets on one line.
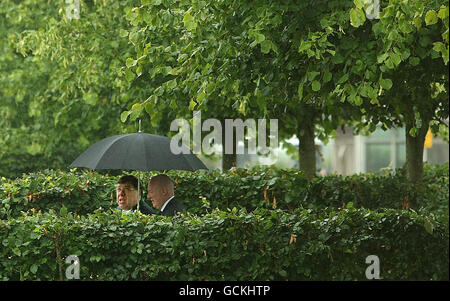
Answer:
[(265, 58), (317, 65)]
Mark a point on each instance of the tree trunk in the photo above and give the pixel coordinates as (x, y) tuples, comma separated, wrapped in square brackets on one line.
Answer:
[(414, 152), (307, 149), (228, 160)]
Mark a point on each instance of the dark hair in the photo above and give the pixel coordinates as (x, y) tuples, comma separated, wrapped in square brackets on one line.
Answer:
[(130, 179)]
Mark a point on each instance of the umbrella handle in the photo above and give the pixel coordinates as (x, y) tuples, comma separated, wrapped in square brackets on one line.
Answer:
[(139, 182)]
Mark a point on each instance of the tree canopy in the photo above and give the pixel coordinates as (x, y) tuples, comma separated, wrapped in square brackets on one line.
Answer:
[(314, 65)]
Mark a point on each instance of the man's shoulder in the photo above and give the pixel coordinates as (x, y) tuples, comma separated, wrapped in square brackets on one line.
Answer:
[(146, 209), (173, 207), (176, 203)]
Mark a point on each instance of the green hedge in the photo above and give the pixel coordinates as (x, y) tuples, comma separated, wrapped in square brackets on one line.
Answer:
[(226, 245), (289, 189), (82, 192)]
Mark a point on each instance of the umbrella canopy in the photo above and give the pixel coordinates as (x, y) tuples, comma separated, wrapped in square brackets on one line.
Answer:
[(137, 151)]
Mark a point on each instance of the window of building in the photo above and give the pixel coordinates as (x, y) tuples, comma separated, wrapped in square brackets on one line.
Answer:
[(385, 149)]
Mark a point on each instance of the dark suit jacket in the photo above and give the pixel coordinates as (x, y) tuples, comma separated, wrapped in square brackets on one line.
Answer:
[(172, 208), (144, 208)]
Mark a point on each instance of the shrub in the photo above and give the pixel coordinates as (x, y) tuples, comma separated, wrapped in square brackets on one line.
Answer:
[(289, 189), (82, 192), (226, 245)]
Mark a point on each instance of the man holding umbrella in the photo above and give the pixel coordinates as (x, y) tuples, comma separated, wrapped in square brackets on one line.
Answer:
[(142, 152), (127, 195)]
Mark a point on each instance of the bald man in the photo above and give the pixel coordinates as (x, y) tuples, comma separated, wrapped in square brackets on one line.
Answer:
[(161, 193)]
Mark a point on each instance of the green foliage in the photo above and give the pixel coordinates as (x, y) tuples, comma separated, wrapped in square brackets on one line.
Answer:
[(61, 81), (225, 245), (408, 39), (318, 64), (80, 193), (83, 192), (290, 189), (322, 230)]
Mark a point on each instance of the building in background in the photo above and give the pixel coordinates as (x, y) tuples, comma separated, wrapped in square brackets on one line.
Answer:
[(352, 154), (382, 149)]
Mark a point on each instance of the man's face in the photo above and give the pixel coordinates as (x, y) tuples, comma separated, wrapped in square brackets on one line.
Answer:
[(127, 196), (157, 194)]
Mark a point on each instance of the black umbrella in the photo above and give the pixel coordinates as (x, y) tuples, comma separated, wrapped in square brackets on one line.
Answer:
[(137, 151)]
